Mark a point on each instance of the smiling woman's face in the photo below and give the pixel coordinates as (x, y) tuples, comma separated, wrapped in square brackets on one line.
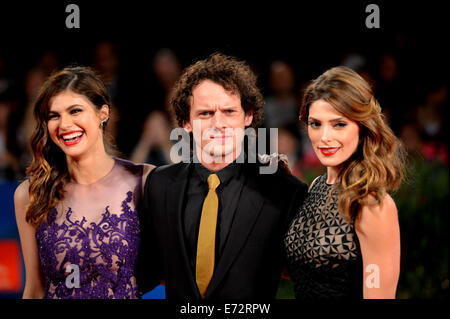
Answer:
[(334, 137), (74, 124)]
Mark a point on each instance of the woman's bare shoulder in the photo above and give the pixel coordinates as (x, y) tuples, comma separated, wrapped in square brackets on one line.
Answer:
[(21, 194), (373, 217), (148, 168), (385, 207)]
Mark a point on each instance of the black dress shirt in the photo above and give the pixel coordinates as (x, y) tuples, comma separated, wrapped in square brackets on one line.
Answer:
[(228, 193)]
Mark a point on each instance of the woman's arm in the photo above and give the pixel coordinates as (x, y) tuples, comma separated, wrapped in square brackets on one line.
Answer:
[(378, 232), (34, 286)]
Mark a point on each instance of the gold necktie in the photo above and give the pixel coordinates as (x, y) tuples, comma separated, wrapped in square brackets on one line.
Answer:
[(206, 244)]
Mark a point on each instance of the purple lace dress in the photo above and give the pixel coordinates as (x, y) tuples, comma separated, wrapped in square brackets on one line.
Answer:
[(89, 246)]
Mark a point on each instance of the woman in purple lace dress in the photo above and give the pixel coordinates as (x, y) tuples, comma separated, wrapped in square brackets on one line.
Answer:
[(76, 213)]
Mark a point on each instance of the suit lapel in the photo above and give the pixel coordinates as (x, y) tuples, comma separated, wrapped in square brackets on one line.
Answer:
[(248, 210), (174, 205)]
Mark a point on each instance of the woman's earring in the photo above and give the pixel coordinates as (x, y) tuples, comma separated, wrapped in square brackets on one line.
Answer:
[(103, 123)]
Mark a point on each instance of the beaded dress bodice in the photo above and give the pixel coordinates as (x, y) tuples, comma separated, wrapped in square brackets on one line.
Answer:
[(89, 245)]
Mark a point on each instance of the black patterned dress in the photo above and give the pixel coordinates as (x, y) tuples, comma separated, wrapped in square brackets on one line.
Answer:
[(323, 253)]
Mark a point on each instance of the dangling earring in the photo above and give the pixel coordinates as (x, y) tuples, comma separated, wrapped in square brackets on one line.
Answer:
[(103, 123)]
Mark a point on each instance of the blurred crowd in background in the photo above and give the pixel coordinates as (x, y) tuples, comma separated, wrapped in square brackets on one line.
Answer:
[(141, 130)]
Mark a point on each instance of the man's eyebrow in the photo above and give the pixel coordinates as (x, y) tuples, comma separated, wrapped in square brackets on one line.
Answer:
[(204, 108), (231, 106)]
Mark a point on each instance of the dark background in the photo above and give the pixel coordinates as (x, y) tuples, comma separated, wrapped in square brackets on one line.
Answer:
[(311, 36)]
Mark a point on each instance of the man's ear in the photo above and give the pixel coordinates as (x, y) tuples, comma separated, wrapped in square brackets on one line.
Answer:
[(248, 118), (187, 126)]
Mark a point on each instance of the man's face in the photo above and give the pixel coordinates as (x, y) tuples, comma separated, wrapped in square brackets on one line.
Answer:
[(217, 121)]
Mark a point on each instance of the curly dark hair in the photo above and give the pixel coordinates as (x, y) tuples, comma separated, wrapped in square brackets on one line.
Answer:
[(235, 76)]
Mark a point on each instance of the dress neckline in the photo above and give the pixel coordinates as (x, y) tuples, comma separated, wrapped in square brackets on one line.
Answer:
[(325, 180), (101, 178)]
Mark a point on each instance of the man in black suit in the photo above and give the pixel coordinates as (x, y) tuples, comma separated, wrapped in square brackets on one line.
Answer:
[(218, 222)]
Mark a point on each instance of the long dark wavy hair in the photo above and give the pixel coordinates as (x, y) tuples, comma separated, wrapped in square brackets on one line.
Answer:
[(48, 171), (378, 164)]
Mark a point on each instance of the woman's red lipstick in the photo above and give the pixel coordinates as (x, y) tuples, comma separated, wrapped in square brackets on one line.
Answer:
[(328, 151), (71, 138)]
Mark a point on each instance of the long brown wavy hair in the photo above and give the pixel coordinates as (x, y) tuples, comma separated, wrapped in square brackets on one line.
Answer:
[(378, 164), (48, 171)]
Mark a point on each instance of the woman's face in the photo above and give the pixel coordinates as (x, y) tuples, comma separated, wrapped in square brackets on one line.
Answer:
[(74, 124), (334, 137)]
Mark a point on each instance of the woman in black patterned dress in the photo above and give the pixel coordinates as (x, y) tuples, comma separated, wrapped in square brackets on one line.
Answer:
[(345, 240)]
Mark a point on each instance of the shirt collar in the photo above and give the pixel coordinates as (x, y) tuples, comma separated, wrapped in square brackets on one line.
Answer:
[(225, 174)]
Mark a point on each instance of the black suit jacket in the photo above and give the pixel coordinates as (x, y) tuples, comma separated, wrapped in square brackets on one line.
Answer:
[(253, 256)]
